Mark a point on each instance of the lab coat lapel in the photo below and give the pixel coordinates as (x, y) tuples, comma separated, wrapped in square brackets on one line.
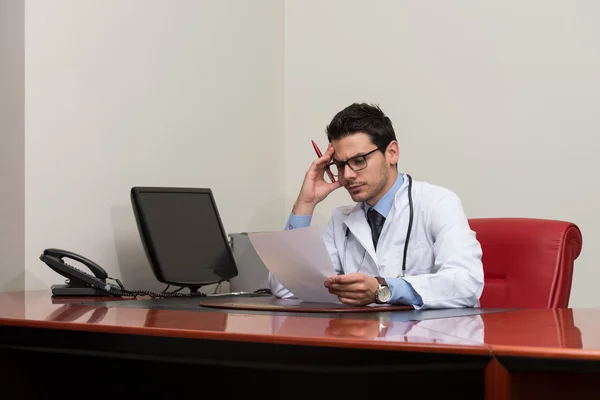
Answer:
[(359, 227)]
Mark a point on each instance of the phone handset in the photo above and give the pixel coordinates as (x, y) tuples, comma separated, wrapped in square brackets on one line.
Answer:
[(78, 282), (97, 270)]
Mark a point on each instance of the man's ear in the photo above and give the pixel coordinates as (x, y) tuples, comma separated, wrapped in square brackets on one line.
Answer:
[(392, 153)]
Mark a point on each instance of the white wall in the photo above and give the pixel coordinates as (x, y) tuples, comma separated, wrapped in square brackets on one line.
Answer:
[(128, 93), (12, 150), (495, 100)]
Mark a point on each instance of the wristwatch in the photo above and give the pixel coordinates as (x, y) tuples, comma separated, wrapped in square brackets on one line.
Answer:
[(383, 293)]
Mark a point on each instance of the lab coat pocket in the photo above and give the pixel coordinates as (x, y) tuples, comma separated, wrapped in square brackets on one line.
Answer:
[(419, 259)]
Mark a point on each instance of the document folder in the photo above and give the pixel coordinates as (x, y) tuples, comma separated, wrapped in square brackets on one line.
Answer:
[(293, 305)]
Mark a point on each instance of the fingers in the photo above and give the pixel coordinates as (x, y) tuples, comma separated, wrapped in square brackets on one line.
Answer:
[(349, 294), (353, 287), (326, 157), (330, 150), (333, 186), (354, 302), (345, 279), (318, 166)]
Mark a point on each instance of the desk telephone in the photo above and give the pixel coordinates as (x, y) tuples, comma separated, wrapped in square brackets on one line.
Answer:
[(80, 283)]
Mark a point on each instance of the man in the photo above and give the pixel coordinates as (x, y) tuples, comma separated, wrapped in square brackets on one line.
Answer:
[(366, 241)]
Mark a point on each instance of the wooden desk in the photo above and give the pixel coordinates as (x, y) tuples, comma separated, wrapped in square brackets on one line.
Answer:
[(544, 354), (53, 347)]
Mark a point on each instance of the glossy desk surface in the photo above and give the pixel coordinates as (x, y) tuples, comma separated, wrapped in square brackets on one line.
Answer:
[(571, 333)]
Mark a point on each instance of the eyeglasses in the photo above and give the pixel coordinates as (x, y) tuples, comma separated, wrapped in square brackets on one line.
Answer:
[(356, 164)]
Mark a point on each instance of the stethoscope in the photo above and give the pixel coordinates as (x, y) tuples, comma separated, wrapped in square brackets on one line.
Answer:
[(410, 221)]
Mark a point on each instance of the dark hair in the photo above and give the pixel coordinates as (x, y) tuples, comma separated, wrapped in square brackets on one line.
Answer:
[(362, 118)]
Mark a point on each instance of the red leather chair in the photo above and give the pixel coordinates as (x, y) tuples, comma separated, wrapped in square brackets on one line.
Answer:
[(527, 262)]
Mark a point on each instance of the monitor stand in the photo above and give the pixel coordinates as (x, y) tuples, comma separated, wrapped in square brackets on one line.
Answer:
[(193, 288)]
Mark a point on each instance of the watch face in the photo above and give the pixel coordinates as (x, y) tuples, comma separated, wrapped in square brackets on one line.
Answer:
[(384, 294)]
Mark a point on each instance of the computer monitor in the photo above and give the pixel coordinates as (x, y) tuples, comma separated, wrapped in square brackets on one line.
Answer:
[(183, 236)]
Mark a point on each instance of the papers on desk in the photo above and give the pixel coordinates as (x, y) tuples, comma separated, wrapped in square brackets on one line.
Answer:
[(299, 260)]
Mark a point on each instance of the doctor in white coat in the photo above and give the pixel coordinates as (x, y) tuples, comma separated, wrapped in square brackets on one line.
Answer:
[(404, 241)]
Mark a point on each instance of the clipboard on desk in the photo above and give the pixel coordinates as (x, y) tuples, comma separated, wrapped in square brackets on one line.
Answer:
[(293, 305)]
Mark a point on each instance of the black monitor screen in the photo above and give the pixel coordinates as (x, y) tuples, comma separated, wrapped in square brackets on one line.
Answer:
[(183, 235)]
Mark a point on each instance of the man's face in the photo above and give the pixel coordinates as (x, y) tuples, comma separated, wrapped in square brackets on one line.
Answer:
[(368, 184)]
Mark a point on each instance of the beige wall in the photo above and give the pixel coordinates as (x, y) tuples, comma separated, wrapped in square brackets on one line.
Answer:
[(128, 93), (495, 100), (12, 151)]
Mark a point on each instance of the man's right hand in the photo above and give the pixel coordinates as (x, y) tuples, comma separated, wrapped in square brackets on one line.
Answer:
[(315, 189)]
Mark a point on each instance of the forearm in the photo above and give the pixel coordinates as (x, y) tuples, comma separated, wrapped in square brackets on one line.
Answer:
[(302, 208)]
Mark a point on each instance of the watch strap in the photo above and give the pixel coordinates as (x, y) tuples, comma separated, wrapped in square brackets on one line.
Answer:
[(381, 281)]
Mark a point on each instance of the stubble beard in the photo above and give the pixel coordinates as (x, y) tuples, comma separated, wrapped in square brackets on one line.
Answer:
[(373, 190)]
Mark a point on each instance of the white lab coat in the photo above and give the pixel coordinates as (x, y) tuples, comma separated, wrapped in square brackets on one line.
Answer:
[(444, 257)]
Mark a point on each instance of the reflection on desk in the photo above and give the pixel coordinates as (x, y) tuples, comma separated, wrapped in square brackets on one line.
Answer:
[(73, 312), (461, 330), (540, 328), (165, 319)]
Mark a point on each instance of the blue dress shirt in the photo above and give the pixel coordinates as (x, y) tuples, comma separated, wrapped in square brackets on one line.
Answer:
[(402, 291)]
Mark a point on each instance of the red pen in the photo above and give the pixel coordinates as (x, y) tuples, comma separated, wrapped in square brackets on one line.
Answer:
[(321, 155)]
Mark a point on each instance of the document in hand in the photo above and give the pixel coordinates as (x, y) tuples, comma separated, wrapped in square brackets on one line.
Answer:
[(299, 260)]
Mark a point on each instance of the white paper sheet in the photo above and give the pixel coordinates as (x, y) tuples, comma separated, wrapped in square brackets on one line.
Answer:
[(299, 260)]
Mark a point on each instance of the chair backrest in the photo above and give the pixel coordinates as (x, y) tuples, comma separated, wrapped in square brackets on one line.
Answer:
[(527, 262)]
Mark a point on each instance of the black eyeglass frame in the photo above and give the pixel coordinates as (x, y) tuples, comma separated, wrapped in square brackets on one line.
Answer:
[(345, 163)]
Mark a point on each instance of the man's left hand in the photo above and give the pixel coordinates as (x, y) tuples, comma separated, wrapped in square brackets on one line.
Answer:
[(355, 289)]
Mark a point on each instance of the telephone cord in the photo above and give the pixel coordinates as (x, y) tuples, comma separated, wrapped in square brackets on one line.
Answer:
[(122, 292)]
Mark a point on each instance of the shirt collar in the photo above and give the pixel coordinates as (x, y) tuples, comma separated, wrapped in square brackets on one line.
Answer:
[(384, 205)]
